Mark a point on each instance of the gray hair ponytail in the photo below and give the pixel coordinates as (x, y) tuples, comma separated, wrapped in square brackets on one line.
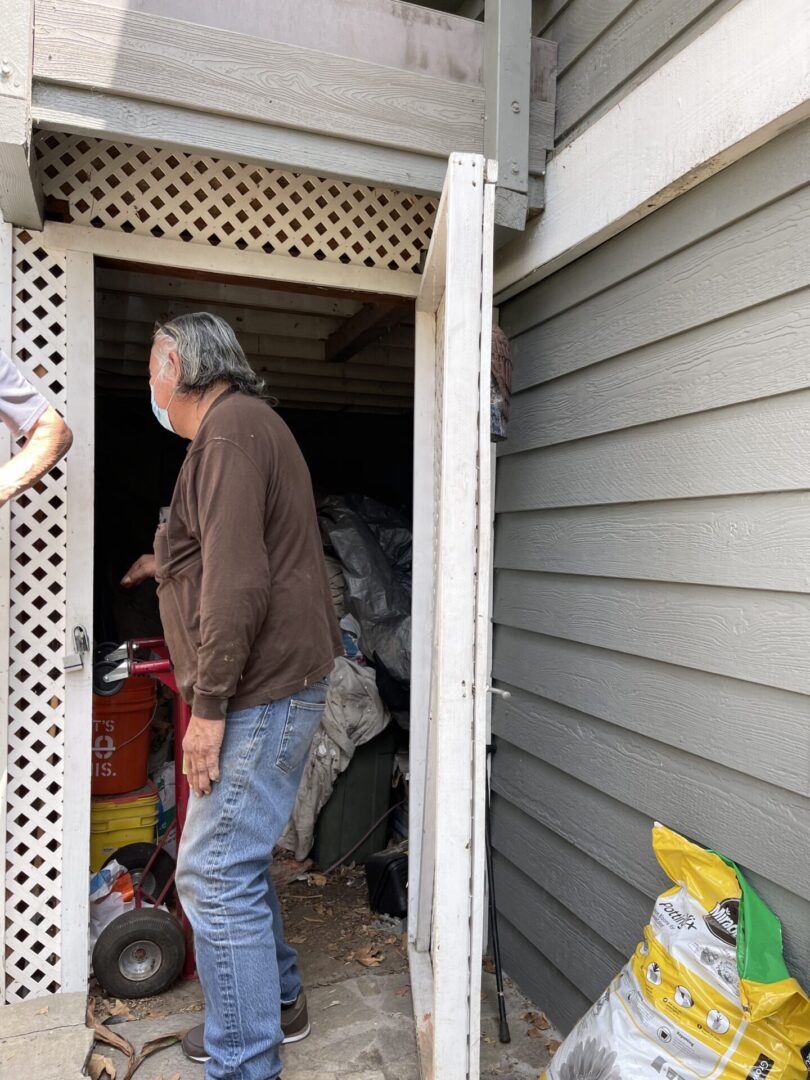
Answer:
[(209, 353)]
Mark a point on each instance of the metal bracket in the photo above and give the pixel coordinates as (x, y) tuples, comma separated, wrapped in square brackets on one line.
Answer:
[(81, 643)]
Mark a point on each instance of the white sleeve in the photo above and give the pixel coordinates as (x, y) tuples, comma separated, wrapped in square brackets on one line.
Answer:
[(20, 404)]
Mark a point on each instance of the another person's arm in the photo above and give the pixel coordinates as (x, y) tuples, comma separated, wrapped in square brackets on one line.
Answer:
[(28, 415), (48, 441)]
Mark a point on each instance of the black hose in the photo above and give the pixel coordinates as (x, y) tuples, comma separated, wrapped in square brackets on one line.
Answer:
[(503, 1026)]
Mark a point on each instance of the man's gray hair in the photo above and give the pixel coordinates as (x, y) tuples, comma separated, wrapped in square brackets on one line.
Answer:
[(209, 353)]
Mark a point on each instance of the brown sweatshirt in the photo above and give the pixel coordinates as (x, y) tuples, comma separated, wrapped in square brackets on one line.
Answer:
[(244, 595)]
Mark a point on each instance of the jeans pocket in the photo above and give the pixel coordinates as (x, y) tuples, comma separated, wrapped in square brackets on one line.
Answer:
[(302, 721)]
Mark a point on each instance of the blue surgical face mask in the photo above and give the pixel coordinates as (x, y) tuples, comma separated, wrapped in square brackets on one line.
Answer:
[(161, 414)]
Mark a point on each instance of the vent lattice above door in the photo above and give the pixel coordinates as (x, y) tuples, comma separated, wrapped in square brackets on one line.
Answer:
[(206, 200)]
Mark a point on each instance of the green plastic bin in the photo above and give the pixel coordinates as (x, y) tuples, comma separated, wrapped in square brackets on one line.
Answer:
[(361, 795)]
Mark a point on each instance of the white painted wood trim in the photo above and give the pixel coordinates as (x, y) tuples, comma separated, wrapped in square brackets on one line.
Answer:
[(6, 255), (691, 118), (483, 623), (421, 618), (453, 686), (176, 253), (421, 973), (80, 363)]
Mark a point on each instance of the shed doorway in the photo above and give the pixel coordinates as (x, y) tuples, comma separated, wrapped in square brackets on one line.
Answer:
[(451, 535)]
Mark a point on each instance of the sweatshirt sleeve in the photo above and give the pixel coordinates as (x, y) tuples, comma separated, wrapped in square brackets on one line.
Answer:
[(231, 498)]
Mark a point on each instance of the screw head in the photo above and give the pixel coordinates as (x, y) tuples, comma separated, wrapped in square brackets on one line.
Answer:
[(515, 106)]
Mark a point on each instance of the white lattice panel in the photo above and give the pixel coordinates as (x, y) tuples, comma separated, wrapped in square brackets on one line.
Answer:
[(33, 862), (205, 200)]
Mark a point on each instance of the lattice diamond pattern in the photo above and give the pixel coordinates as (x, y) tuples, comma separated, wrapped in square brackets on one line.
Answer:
[(206, 200), (37, 644)]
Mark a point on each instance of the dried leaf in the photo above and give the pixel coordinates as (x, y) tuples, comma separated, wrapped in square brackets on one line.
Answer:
[(156, 1015), (152, 1047), (99, 1067), (318, 880), (543, 1023), (403, 990), (489, 965), (42, 1012), (175, 1076), (553, 1045), (117, 1042), (391, 940), (369, 956), (331, 1005), (120, 1009)]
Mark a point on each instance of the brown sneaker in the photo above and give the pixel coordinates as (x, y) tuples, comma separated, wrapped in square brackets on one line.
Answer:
[(193, 1043), (295, 1020), (295, 1026)]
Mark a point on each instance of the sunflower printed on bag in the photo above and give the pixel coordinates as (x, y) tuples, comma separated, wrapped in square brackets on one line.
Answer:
[(706, 995)]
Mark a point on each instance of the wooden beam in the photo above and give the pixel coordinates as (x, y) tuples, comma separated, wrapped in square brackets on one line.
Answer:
[(87, 44), (699, 104), (121, 119), (507, 80), (20, 190), (251, 264), (133, 282), (360, 330)]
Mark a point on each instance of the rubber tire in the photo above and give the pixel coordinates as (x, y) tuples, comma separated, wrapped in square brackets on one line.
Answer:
[(136, 856), (147, 924)]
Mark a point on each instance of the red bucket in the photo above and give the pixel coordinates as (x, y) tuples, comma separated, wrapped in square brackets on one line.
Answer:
[(121, 725)]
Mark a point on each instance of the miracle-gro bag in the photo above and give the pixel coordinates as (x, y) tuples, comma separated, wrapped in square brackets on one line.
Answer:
[(706, 994)]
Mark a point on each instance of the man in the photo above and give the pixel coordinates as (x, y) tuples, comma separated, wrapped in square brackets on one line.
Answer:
[(247, 614), (28, 415)]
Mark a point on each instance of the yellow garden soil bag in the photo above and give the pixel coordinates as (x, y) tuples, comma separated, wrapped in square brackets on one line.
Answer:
[(705, 995)]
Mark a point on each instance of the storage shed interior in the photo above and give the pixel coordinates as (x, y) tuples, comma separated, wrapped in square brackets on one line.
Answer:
[(352, 415)]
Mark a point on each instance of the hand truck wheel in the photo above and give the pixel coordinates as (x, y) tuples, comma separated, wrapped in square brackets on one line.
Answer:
[(139, 954), (135, 858)]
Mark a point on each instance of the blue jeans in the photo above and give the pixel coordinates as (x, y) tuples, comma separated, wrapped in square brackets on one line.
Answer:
[(246, 968)]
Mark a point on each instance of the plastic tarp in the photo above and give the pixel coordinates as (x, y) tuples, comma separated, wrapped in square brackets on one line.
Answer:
[(374, 546)]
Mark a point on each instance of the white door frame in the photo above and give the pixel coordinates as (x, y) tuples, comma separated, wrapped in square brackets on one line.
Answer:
[(451, 619), (81, 245)]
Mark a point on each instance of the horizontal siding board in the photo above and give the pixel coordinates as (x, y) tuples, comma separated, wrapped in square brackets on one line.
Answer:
[(757, 636), (753, 447), (766, 175), (587, 959), (539, 979), (747, 819), (600, 899), (745, 541), (579, 25), (723, 720), (638, 35), (747, 263), (609, 831), (756, 353)]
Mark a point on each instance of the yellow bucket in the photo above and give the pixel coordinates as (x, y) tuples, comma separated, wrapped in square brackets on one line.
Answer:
[(116, 820)]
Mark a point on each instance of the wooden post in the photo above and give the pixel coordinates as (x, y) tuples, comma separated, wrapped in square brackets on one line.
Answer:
[(507, 84), (80, 362), (20, 192)]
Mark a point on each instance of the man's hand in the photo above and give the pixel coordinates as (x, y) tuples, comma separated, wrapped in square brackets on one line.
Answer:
[(140, 570), (201, 753)]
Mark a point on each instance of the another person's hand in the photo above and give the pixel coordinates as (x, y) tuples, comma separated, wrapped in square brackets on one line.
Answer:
[(201, 747), (140, 571)]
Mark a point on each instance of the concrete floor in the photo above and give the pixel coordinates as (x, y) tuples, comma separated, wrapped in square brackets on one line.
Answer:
[(362, 1018), (362, 1027)]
